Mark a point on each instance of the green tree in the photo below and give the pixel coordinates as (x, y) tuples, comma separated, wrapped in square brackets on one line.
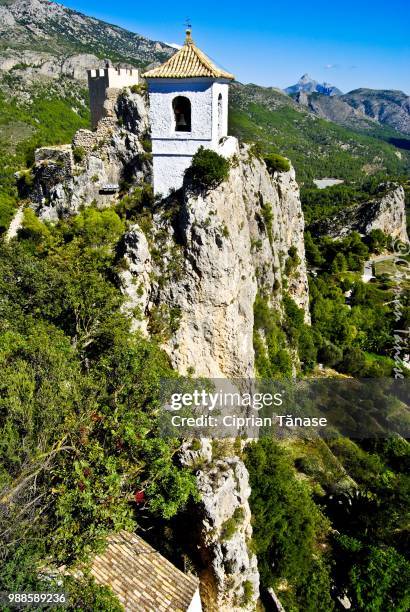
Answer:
[(208, 169), (380, 581), (287, 528)]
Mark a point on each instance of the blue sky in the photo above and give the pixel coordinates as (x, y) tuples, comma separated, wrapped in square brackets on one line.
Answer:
[(349, 43)]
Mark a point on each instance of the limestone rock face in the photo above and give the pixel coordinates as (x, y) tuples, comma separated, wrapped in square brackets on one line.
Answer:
[(135, 278), (223, 247), (212, 252), (70, 176), (386, 212), (221, 528), (230, 578), (276, 226)]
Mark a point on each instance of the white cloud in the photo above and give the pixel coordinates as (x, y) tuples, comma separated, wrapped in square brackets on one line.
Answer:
[(174, 45), (331, 66)]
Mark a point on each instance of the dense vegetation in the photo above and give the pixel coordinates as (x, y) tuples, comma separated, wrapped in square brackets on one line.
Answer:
[(330, 518), (318, 204), (353, 322), (79, 397), (329, 521), (287, 530), (50, 118)]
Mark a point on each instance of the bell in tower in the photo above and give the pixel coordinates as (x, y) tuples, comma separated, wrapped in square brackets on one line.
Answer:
[(182, 114)]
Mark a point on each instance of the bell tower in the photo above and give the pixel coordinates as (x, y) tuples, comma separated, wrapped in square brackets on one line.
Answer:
[(188, 109)]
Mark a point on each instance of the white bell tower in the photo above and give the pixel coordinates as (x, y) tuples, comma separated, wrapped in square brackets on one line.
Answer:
[(188, 109)]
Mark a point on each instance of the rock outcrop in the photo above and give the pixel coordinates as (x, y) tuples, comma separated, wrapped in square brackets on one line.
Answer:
[(191, 266), (222, 247), (221, 522), (70, 176), (386, 212), (230, 578)]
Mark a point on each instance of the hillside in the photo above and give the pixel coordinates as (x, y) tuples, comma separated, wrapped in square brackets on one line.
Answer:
[(361, 108), (46, 30), (318, 148), (388, 107)]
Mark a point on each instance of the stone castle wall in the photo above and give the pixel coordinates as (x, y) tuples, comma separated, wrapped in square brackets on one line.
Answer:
[(102, 79)]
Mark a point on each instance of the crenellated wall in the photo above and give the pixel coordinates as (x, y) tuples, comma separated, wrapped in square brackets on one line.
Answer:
[(101, 79)]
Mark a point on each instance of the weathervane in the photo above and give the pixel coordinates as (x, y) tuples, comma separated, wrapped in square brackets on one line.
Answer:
[(188, 28)]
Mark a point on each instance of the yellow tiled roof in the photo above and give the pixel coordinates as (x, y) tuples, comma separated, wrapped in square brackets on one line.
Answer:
[(188, 62), (141, 578)]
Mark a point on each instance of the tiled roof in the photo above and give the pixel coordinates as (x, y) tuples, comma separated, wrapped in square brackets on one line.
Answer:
[(188, 62), (142, 579)]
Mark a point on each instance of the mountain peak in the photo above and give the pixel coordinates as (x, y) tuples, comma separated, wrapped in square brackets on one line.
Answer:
[(307, 84)]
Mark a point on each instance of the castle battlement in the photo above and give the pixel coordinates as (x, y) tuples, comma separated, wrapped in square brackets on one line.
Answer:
[(101, 79)]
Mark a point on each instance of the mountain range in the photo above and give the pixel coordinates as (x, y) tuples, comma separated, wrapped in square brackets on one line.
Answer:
[(38, 30), (354, 109)]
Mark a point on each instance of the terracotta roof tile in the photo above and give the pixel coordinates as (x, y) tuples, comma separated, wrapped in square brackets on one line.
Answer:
[(188, 62), (141, 578)]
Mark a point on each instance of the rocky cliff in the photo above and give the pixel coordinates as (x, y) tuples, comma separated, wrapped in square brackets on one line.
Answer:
[(222, 247), (203, 256), (190, 268), (220, 524), (386, 212)]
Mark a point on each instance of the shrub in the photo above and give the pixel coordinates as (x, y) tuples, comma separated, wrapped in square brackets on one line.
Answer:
[(78, 154), (208, 169), (147, 144), (277, 163), (267, 215), (292, 262), (138, 89), (7, 208), (330, 354), (25, 182), (32, 228), (230, 526), (97, 227), (247, 593)]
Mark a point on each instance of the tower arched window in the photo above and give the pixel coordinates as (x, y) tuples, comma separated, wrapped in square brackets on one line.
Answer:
[(182, 114)]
